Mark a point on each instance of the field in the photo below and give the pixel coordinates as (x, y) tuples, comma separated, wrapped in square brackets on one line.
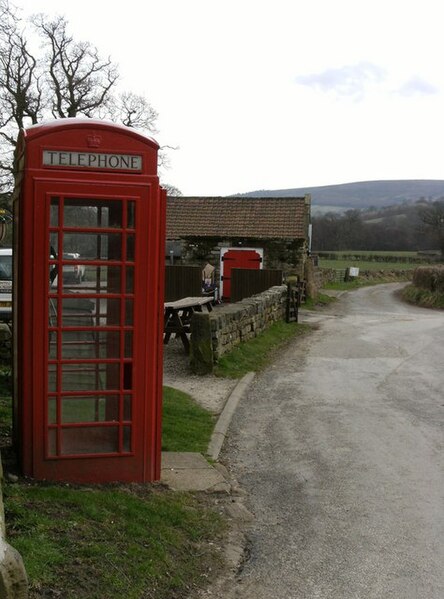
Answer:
[(366, 265), (365, 253), (368, 260)]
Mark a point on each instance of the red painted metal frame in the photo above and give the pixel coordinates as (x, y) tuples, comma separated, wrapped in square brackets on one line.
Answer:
[(32, 294)]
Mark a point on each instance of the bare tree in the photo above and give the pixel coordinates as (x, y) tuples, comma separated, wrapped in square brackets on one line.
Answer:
[(432, 218), (135, 111), (171, 190), (79, 80), (21, 96), (70, 80)]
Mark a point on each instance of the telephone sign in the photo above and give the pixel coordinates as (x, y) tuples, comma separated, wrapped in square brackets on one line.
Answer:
[(92, 160)]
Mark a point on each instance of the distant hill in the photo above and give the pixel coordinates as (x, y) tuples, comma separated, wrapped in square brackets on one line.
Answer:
[(363, 194)]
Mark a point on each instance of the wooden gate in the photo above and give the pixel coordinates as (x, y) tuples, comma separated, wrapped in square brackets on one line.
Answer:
[(245, 258), (247, 282), (295, 297)]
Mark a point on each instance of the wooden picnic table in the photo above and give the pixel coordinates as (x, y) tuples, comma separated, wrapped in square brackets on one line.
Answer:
[(177, 317)]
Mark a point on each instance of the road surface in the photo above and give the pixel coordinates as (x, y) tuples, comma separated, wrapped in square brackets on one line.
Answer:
[(339, 446)]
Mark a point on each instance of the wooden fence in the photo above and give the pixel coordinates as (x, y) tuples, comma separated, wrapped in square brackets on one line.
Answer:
[(246, 282), (182, 281)]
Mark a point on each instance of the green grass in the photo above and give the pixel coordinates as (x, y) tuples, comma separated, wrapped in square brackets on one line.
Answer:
[(113, 541), (256, 353), (396, 253), (186, 426), (321, 300), (129, 541), (357, 283), (423, 297), (390, 260), (366, 265)]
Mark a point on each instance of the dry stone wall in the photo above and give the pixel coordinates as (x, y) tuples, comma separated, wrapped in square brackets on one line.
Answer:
[(219, 331)]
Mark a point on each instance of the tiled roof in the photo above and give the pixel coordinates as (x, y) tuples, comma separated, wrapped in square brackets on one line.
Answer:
[(226, 217)]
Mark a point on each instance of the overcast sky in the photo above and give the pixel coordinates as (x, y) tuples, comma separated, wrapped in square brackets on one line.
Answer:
[(280, 93)]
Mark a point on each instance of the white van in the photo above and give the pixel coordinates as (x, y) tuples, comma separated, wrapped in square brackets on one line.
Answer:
[(5, 284)]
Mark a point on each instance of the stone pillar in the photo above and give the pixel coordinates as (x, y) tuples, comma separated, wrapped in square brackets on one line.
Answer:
[(309, 276), (201, 350)]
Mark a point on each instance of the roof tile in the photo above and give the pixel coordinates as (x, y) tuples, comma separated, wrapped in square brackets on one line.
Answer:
[(236, 217)]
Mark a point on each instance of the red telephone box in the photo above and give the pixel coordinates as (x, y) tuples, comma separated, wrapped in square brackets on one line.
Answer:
[(237, 258), (88, 302)]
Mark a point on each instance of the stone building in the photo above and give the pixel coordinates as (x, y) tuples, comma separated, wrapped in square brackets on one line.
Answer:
[(203, 225)]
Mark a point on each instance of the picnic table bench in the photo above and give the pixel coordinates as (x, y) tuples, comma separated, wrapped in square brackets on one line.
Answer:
[(177, 317)]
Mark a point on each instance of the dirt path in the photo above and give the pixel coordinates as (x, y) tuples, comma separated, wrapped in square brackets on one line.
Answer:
[(339, 446)]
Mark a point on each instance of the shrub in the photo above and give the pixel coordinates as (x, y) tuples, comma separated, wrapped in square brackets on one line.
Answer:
[(423, 297), (430, 278)]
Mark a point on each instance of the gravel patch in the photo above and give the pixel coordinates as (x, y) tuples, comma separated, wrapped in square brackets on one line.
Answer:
[(209, 391)]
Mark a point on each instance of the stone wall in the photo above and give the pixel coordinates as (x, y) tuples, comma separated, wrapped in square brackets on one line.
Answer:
[(218, 332)]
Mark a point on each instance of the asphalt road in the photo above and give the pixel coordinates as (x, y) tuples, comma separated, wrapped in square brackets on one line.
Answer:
[(339, 446)]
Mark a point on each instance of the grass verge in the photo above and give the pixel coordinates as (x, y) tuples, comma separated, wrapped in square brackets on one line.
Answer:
[(113, 541), (321, 300), (423, 297), (256, 353), (128, 541), (186, 426), (354, 284)]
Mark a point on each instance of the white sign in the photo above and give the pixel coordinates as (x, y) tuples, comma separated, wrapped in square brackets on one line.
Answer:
[(353, 271), (95, 160)]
